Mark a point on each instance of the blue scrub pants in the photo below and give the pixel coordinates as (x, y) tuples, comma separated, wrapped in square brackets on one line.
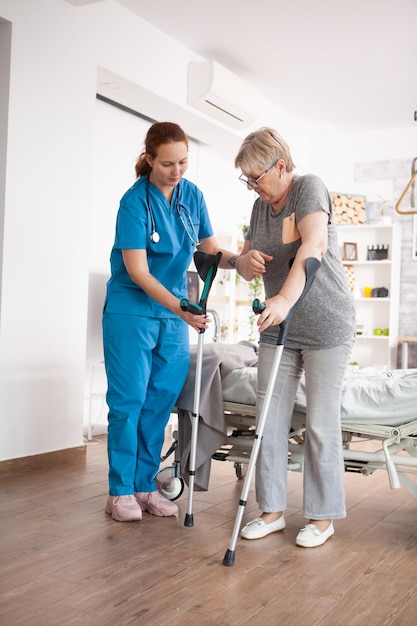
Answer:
[(147, 361)]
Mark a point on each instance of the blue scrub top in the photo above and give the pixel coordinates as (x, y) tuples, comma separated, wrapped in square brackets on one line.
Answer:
[(170, 258)]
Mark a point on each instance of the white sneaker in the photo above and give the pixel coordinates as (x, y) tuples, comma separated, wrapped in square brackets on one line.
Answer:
[(311, 537), (256, 529)]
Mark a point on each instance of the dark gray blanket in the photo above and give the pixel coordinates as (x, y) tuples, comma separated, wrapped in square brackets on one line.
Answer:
[(219, 359)]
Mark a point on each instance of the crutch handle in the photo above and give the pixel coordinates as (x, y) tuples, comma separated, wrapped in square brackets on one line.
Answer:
[(191, 307), (258, 306)]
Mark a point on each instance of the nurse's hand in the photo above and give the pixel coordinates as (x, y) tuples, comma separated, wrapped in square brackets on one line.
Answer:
[(198, 322)]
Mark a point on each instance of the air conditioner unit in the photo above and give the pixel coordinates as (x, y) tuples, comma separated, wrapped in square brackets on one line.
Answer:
[(216, 91)]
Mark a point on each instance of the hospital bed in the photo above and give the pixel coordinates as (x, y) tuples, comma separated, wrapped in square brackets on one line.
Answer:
[(379, 418)]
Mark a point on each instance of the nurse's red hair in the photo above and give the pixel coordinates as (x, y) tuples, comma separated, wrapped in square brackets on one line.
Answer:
[(158, 134)]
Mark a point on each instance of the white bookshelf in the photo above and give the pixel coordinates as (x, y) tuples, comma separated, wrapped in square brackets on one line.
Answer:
[(232, 300), (373, 312)]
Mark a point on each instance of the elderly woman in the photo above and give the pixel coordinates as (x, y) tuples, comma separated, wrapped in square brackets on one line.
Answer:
[(292, 220)]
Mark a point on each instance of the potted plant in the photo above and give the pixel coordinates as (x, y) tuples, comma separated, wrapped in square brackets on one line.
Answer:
[(224, 330)]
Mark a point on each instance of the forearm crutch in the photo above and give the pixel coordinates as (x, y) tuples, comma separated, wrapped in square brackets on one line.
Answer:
[(311, 266), (206, 266)]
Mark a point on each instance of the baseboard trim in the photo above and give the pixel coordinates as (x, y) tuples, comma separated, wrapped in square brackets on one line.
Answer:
[(47, 460)]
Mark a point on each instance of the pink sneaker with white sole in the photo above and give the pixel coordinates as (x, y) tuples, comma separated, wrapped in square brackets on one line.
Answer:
[(123, 508), (155, 503)]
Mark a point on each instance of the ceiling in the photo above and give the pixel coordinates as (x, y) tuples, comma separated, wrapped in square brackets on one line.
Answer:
[(352, 64)]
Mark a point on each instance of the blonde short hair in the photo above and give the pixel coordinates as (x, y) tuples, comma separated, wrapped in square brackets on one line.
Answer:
[(261, 149)]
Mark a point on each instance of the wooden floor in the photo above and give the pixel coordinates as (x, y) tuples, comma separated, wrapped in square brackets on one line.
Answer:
[(63, 561)]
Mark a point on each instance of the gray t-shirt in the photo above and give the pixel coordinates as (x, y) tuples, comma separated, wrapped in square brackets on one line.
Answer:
[(326, 316)]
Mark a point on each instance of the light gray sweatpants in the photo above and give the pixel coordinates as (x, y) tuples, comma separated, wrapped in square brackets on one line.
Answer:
[(323, 478)]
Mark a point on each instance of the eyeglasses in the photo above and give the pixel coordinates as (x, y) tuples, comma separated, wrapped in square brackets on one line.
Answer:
[(254, 183)]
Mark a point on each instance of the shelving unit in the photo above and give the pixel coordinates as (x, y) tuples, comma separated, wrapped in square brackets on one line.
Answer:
[(233, 305), (372, 312), (232, 301)]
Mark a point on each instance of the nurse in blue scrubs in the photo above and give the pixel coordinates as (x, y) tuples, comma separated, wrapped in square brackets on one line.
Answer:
[(161, 220)]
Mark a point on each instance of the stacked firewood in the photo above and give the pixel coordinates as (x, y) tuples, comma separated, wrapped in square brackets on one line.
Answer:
[(349, 209)]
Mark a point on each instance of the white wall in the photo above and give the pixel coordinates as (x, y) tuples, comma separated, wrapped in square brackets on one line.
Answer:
[(46, 230), (118, 140), (51, 191)]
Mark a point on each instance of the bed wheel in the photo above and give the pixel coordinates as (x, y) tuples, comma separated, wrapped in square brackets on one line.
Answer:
[(169, 485), (241, 469)]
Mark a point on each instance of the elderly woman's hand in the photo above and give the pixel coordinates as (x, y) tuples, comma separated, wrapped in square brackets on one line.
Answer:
[(275, 312), (252, 264)]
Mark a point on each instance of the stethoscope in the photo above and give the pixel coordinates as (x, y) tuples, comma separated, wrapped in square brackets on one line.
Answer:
[(180, 208)]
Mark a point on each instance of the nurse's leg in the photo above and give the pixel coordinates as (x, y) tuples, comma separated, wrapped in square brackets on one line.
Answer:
[(128, 343), (170, 363)]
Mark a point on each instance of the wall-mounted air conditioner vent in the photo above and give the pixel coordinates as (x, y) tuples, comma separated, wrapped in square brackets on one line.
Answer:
[(216, 91)]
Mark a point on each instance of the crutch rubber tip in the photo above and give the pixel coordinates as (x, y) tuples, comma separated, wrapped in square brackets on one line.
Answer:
[(229, 558), (189, 520)]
